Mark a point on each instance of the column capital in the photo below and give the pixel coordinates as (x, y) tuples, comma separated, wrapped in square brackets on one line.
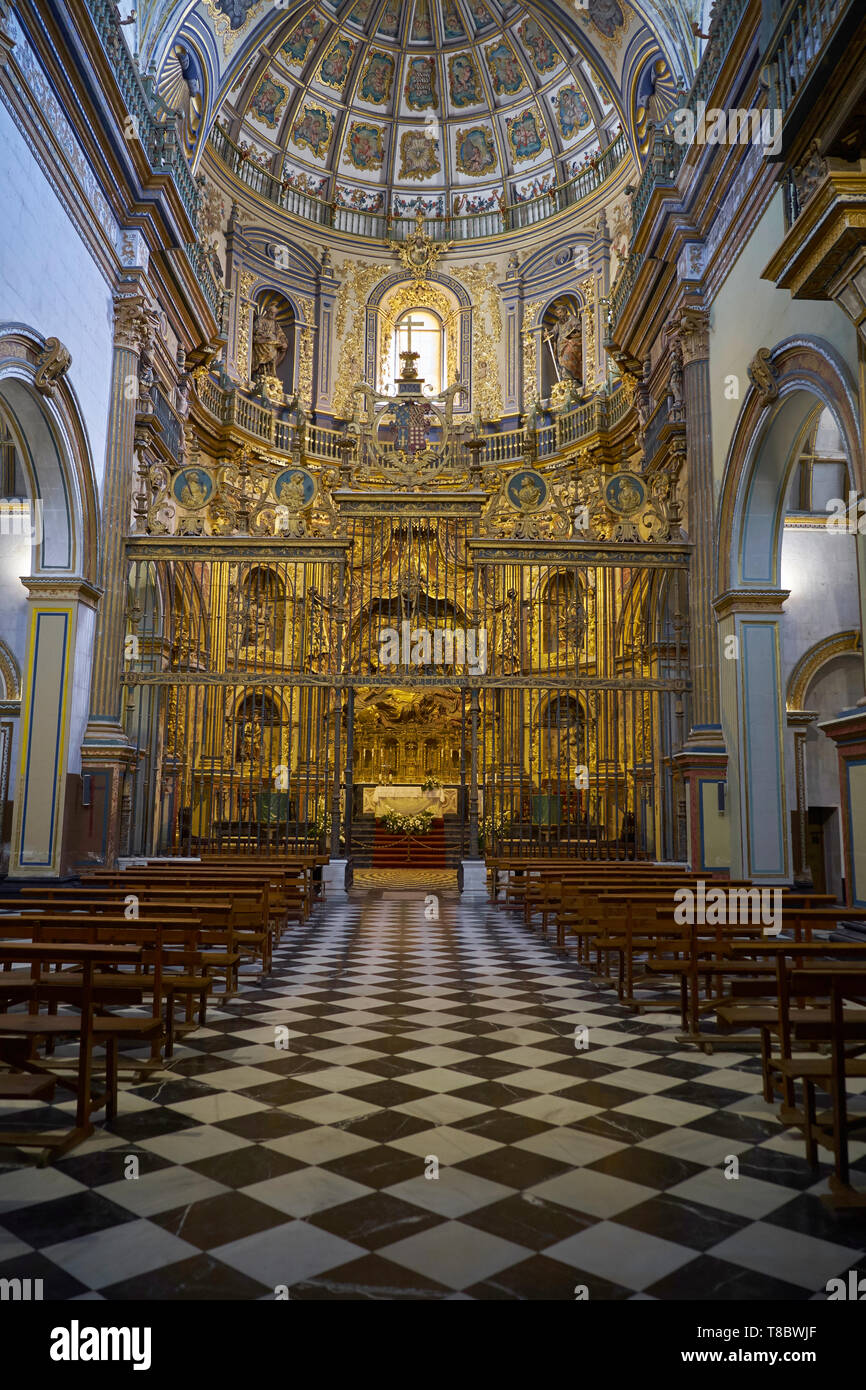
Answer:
[(135, 322), (800, 719), (53, 588), (736, 601), (691, 326)]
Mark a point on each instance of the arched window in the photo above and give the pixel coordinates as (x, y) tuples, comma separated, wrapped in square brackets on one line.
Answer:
[(420, 330), (822, 473)]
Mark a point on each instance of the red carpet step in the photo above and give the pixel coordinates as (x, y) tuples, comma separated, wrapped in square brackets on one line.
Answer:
[(393, 850)]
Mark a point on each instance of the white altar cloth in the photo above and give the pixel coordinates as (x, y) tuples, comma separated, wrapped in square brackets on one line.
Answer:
[(408, 801)]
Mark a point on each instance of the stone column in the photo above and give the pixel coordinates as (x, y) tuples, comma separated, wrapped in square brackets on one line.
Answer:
[(702, 760), (756, 803), (106, 749), (53, 709), (693, 334)]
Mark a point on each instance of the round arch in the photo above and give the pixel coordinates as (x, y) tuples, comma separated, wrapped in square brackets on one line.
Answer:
[(52, 444), (801, 373)]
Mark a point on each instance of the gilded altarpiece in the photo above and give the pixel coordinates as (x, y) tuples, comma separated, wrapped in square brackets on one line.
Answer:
[(299, 634)]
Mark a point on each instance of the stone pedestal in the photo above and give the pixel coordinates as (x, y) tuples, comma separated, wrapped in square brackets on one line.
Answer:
[(337, 876), (708, 833), (472, 878)]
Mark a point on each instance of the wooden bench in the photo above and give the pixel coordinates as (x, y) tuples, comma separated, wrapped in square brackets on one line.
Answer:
[(19, 1031)]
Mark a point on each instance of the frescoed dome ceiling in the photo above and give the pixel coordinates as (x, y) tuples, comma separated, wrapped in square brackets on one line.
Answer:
[(451, 105)]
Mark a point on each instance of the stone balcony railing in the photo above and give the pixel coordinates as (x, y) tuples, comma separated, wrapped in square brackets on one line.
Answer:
[(231, 407), (381, 226), (154, 123)]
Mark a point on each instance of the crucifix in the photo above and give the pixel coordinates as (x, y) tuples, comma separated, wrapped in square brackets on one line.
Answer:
[(408, 357)]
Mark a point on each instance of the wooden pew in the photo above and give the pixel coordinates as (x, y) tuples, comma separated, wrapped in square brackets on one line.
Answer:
[(840, 1027), (18, 1031)]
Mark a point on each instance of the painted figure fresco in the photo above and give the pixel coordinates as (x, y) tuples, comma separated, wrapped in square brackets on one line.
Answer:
[(452, 24), (361, 12), (526, 490), (526, 135), (294, 488), (390, 20), (192, 488), (418, 155), (481, 16), (268, 100), (606, 15), (297, 45), (364, 145), (572, 111), (235, 11), (377, 78), (625, 493), (421, 83), (313, 129), (505, 71), (422, 27), (463, 80), (545, 55), (476, 152), (335, 64)]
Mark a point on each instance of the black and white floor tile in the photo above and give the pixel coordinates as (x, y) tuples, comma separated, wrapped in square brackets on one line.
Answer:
[(402, 1112)]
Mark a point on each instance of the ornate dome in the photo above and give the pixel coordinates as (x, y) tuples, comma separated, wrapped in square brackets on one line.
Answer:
[(448, 105)]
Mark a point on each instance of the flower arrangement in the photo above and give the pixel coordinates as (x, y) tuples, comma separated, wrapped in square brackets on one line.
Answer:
[(419, 824), (430, 783), (492, 828)]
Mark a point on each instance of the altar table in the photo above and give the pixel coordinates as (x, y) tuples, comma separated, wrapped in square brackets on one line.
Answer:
[(408, 800)]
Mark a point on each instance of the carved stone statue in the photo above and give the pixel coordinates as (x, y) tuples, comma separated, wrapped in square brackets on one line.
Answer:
[(270, 343), (566, 340)]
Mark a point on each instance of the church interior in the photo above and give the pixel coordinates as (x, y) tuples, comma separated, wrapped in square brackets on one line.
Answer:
[(432, 714)]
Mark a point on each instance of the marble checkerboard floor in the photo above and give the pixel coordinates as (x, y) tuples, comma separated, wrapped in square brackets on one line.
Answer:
[(305, 1167)]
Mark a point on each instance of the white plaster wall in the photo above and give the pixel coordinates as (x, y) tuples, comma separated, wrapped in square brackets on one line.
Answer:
[(819, 568), (50, 282), (749, 313), (838, 686)]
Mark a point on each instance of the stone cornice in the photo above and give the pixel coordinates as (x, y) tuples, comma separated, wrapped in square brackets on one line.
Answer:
[(738, 601), (50, 588)]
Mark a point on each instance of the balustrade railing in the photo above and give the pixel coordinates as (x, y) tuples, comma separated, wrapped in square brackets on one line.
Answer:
[(232, 407), (803, 32), (380, 226), (152, 121)]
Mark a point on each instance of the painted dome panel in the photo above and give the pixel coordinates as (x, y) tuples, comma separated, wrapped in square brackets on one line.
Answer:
[(381, 103)]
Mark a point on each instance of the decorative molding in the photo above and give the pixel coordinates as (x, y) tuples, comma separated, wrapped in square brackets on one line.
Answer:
[(840, 644), (764, 376), (45, 589), (54, 362), (694, 333), (735, 602), (10, 672)]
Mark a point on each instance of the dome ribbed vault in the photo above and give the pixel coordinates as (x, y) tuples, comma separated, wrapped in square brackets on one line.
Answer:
[(448, 105)]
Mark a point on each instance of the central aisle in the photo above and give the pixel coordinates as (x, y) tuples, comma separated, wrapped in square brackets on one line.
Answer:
[(412, 1039)]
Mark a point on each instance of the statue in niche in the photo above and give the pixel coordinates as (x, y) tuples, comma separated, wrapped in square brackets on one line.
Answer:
[(270, 343), (675, 384), (509, 646), (566, 340), (258, 631), (250, 741)]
